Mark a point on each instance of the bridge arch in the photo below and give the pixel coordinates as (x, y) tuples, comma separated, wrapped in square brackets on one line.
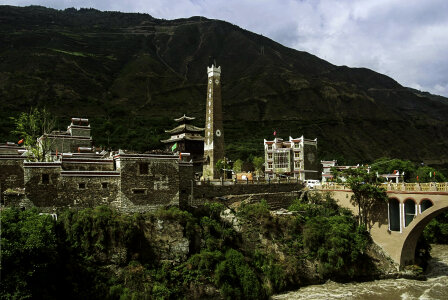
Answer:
[(410, 211), (388, 230), (414, 230), (425, 204)]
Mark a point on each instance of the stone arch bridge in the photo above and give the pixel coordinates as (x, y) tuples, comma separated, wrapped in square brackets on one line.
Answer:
[(397, 225)]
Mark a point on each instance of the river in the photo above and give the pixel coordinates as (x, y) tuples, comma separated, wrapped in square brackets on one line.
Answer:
[(436, 287)]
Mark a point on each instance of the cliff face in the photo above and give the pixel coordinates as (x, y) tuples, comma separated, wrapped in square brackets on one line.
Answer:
[(132, 74), (243, 252)]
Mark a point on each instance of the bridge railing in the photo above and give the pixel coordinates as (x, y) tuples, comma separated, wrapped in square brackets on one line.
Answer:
[(404, 187), (333, 186), (418, 187), (442, 186), (259, 181)]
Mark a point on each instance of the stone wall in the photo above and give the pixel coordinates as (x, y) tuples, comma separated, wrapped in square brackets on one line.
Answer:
[(186, 179), (11, 175), (88, 164), (48, 188), (41, 181), (88, 191), (68, 143), (148, 182), (75, 130), (210, 190), (277, 195), (140, 183), (274, 200)]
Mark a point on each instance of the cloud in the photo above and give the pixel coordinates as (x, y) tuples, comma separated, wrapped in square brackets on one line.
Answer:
[(404, 39)]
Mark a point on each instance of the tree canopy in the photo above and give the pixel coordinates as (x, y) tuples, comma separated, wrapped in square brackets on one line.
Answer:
[(366, 188), (29, 126)]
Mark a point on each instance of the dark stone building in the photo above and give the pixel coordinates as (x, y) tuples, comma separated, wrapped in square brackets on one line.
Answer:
[(76, 136), (88, 177)]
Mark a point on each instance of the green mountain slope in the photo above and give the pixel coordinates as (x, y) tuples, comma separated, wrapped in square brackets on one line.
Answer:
[(132, 74)]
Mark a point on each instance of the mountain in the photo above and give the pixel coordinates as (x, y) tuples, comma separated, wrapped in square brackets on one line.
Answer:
[(131, 74)]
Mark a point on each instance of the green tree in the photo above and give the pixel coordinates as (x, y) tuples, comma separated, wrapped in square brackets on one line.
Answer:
[(258, 164), (366, 188), (387, 166), (222, 165), (30, 127), (237, 166), (429, 174)]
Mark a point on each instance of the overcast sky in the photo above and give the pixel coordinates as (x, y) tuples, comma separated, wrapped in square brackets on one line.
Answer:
[(404, 39)]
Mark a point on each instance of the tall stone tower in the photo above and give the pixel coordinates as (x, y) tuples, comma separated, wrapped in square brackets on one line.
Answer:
[(214, 133)]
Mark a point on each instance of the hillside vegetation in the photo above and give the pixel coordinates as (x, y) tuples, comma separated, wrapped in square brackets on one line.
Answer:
[(207, 253), (131, 74)]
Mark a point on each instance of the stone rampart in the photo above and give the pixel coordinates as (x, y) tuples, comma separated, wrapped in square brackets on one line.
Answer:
[(278, 195)]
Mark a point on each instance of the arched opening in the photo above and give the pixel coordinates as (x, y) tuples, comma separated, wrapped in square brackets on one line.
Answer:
[(409, 249), (394, 215), (424, 205), (409, 211)]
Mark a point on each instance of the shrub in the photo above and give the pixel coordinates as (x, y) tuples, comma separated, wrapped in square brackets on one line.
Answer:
[(236, 279), (255, 211), (336, 242), (274, 272), (28, 252)]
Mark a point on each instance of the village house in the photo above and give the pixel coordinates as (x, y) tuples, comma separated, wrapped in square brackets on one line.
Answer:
[(296, 158)]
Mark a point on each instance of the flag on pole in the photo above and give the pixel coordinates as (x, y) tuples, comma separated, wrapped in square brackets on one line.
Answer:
[(20, 142), (275, 132), (417, 177), (174, 147)]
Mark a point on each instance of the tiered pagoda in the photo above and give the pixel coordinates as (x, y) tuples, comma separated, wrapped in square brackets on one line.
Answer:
[(186, 138)]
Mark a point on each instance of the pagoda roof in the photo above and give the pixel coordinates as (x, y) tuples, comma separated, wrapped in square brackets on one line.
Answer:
[(184, 118), (185, 128), (186, 137)]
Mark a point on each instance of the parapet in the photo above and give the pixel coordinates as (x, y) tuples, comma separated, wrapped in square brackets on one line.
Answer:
[(212, 71)]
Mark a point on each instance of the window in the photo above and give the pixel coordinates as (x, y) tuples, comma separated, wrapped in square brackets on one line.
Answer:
[(281, 160), (81, 185), (269, 147), (269, 155), (139, 191), (143, 169), (45, 178), (297, 164), (296, 145), (104, 185), (296, 154), (270, 165)]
